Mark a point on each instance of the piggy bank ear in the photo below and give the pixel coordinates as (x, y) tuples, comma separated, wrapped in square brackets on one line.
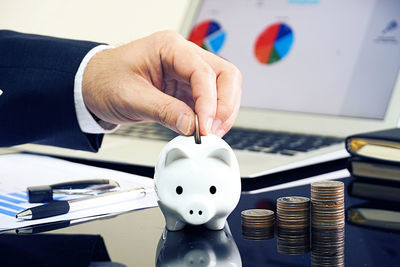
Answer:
[(173, 155), (223, 155)]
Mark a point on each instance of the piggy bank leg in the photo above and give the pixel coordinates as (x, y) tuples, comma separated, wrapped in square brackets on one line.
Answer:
[(171, 219), (216, 223)]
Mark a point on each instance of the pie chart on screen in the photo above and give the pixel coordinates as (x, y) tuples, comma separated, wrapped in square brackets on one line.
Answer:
[(209, 35), (274, 43)]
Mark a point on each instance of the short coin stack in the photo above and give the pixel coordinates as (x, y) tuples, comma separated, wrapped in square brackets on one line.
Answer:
[(257, 224), (327, 201), (293, 212)]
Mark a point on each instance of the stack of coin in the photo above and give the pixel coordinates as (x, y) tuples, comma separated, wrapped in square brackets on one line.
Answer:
[(327, 247), (257, 224), (293, 212), (327, 201), (257, 234), (257, 218), (292, 241)]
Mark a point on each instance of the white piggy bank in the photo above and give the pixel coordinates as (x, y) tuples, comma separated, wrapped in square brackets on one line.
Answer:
[(197, 183)]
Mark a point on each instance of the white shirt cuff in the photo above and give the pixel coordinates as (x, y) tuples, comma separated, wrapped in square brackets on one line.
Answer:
[(85, 119)]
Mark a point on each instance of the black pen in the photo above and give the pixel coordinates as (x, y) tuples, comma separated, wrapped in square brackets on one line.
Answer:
[(44, 193), (55, 208)]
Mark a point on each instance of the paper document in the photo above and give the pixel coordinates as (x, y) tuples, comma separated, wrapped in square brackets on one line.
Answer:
[(18, 171)]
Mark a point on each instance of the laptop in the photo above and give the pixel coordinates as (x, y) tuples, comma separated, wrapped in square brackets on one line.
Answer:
[(314, 72)]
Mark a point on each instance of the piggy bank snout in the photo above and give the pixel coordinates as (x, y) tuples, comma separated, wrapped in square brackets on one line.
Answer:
[(197, 258), (198, 212)]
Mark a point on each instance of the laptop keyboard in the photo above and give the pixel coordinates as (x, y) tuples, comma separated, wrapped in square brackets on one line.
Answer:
[(241, 139)]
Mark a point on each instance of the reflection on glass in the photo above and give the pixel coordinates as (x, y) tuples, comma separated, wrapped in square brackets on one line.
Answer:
[(257, 224), (377, 218), (327, 247), (54, 250), (292, 241), (197, 246), (257, 234)]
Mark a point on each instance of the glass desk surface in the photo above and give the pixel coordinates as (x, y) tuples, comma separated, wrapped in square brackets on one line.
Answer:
[(138, 239)]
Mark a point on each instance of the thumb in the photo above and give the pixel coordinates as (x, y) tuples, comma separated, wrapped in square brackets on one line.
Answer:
[(171, 112)]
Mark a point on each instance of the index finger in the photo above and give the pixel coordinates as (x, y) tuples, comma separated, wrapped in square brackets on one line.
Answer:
[(186, 61), (229, 80)]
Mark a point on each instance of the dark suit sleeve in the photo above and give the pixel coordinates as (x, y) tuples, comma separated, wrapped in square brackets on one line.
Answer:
[(37, 79)]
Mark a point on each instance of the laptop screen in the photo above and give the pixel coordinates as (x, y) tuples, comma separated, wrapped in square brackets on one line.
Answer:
[(338, 58)]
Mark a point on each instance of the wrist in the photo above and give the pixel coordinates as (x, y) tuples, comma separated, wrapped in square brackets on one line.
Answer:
[(105, 125), (87, 122)]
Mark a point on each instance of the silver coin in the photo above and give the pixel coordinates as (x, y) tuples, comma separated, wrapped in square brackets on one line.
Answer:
[(292, 211), (197, 136), (258, 222), (257, 213), (293, 199), (257, 219), (327, 184)]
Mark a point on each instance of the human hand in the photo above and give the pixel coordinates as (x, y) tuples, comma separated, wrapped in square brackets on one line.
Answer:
[(163, 78)]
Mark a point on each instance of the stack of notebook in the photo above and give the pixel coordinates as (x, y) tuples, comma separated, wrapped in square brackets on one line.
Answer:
[(375, 162)]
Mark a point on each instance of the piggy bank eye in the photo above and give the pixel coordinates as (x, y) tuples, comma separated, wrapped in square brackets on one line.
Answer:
[(213, 189), (179, 190)]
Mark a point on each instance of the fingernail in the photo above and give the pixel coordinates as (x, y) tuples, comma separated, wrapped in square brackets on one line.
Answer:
[(216, 125), (209, 125), (183, 124)]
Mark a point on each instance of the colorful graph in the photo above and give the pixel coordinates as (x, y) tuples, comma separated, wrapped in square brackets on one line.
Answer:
[(12, 203), (274, 43), (209, 35)]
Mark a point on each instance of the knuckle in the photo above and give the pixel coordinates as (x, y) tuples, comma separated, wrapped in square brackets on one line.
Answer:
[(207, 70), (235, 72), (167, 40), (168, 35), (225, 111), (162, 114)]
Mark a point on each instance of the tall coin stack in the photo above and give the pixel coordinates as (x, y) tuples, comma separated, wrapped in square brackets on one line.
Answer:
[(257, 224), (293, 212), (327, 204)]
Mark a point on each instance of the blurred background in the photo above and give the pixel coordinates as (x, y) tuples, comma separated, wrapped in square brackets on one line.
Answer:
[(113, 22)]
